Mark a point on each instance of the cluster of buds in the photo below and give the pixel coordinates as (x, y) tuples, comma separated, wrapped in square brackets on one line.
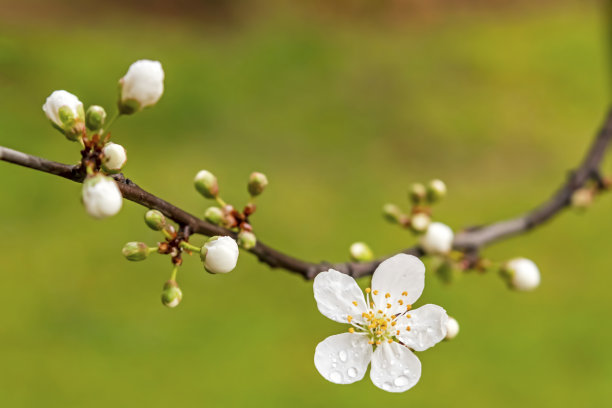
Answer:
[(142, 86), (226, 215), (218, 254)]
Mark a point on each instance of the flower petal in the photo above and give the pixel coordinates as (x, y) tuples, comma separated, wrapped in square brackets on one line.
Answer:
[(343, 358), (427, 327), (394, 368), (396, 275), (335, 293)]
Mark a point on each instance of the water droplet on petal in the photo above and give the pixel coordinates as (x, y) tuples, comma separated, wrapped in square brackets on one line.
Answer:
[(342, 355), (335, 376), (352, 372)]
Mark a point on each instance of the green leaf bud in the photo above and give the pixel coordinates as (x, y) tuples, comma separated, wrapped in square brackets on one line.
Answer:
[(155, 220)]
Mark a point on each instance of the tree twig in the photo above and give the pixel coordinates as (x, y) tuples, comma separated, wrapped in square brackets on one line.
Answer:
[(470, 240)]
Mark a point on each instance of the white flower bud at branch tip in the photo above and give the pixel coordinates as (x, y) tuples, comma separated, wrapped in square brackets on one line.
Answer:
[(522, 274), (419, 222), (65, 111), (452, 328), (206, 183), (436, 190), (219, 254), (438, 239), (142, 86), (114, 159), (361, 252), (257, 183), (101, 196), (155, 220), (172, 294), (95, 117), (247, 240)]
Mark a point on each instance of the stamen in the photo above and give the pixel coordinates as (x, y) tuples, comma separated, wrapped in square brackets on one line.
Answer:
[(375, 292), (378, 342), (407, 328), (408, 307), (388, 305), (398, 332), (393, 323), (355, 302), (387, 295), (351, 330), (390, 341), (401, 302), (378, 332), (380, 312), (408, 316), (371, 342), (404, 293), (368, 290), (371, 304), (349, 318)]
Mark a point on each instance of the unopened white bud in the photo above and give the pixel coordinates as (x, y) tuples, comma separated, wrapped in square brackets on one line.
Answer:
[(114, 157), (522, 274), (419, 222), (438, 239), (452, 328), (361, 252), (206, 183), (101, 196), (436, 190), (220, 254), (65, 111), (171, 294), (142, 86)]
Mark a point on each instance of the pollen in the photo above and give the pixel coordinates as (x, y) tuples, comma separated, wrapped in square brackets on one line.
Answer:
[(401, 302), (376, 292), (371, 342), (408, 307), (351, 330), (387, 295), (407, 328), (380, 311), (349, 318), (378, 342), (393, 323), (368, 290), (378, 333), (408, 316), (355, 302), (404, 293), (371, 304), (388, 305), (389, 341), (398, 332)]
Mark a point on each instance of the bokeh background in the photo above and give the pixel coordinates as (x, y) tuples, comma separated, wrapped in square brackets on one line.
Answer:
[(342, 104)]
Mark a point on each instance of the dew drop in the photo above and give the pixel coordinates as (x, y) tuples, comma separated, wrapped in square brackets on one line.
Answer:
[(342, 355), (335, 376), (401, 381), (352, 372)]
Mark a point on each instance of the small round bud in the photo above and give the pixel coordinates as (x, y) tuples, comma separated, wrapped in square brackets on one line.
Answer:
[(257, 183), (417, 193), (65, 111), (436, 190), (247, 240), (135, 251), (419, 222), (452, 328), (438, 239), (95, 117), (582, 198), (522, 274), (114, 158), (392, 213), (219, 254), (101, 196), (171, 294), (206, 183), (361, 252), (214, 215), (142, 86), (155, 220)]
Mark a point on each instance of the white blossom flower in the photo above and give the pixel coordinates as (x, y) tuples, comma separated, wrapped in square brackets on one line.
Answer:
[(523, 274), (384, 330), (142, 86), (452, 328), (438, 239), (114, 157), (220, 254), (65, 111), (101, 196)]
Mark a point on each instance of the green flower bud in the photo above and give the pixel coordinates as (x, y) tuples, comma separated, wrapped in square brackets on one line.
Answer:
[(206, 183), (214, 215), (135, 251), (417, 193), (155, 220), (247, 240), (95, 117), (257, 183), (436, 190), (361, 252), (392, 213), (419, 222), (171, 294)]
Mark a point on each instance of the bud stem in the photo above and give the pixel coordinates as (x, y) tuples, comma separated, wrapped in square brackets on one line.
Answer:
[(153, 249), (220, 201), (109, 123), (188, 246), (174, 272), (167, 234)]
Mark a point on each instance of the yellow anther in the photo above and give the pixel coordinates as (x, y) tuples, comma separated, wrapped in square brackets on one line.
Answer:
[(368, 290), (364, 315), (378, 342), (378, 332), (390, 341), (376, 292), (351, 330), (355, 302), (398, 332), (371, 342), (404, 293), (408, 316), (388, 305), (407, 328), (401, 302), (349, 318), (371, 304), (387, 295), (371, 326), (380, 312), (393, 323), (408, 307)]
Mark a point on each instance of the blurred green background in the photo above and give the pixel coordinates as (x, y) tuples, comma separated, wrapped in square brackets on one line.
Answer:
[(343, 105)]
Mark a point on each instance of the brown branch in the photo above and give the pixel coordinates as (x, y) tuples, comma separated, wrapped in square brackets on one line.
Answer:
[(470, 240)]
